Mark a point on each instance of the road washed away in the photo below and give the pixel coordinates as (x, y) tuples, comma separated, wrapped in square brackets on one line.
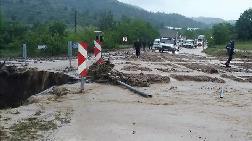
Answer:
[(185, 103)]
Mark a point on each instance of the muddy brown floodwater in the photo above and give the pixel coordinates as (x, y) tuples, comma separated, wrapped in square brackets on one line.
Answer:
[(185, 103)]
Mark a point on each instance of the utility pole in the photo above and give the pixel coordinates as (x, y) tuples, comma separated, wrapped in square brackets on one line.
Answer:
[(75, 21)]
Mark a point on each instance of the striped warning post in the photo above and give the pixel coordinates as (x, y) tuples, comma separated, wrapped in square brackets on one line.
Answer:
[(97, 52), (82, 59)]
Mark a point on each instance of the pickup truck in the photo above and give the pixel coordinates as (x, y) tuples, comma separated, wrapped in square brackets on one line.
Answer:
[(164, 44)]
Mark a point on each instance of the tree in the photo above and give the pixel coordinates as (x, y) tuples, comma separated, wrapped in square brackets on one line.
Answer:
[(222, 33), (244, 25), (106, 21), (1, 29), (57, 28)]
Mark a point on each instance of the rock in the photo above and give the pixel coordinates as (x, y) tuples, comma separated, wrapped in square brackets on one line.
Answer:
[(59, 91)]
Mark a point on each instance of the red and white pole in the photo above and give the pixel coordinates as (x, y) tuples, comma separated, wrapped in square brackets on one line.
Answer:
[(97, 52), (82, 62)]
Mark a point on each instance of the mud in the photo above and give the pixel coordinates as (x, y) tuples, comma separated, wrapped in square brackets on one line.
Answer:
[(234, 78), (18, 85), (172, 70), (105, 74), (147, 57), (136, 68), (173, 58), (203, 68), (144, 80), (165, 64), (197, 78), (101, 73)]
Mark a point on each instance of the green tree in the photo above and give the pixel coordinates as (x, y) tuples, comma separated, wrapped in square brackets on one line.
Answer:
[(1, 29), (106, 21), (57, 28), (244, 25), (222, 33)]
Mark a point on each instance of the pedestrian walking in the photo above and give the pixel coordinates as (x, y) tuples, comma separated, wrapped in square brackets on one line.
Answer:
[(137, 46), (230, 51), (150, 45)]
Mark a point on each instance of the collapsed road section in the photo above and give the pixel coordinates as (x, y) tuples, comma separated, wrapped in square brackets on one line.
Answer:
[(19, 84)]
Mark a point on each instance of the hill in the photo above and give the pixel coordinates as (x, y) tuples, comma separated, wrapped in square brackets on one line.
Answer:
[(89, 11), (208, 20)]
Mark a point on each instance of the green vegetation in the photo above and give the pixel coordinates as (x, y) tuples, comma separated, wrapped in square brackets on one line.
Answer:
[(241, 33), (55, 35), (244, 25), (222, 33), (244, 50), (89, 11)]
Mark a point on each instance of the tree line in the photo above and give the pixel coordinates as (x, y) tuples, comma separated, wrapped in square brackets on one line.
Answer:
[(56, 34), (242, 30), (222, 33)]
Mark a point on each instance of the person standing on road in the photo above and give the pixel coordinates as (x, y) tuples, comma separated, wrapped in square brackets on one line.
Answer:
[(137, 45), (150, 45), (230, 51)]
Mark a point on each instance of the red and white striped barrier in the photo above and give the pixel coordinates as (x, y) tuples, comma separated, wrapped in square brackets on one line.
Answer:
[(97, 52), (82, 59)]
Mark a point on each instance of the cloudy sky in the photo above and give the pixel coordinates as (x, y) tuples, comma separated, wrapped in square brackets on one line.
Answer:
[(226, 9)]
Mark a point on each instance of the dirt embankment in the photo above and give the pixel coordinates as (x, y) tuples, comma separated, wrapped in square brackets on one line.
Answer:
[(136, 68), (199, 67), (105, 74), (197, 78), (19, 84), (238, 79)]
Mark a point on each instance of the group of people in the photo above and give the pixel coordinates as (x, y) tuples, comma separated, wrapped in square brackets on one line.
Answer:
[(138, 44)]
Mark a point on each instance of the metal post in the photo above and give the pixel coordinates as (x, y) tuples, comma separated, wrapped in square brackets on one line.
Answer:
[(222, 92), (24, 52), (70, 52), (83, 80), (135, 90)]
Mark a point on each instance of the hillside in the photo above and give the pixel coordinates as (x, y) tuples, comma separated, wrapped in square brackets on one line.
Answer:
[(89, 11), (208, 20)]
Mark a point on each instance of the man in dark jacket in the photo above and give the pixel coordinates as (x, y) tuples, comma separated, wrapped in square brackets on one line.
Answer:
[(137, 46), (230, 51)]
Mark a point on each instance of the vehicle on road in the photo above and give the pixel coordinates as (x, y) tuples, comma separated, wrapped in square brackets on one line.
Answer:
[(156, 44), (189, 43), (165, 44), (200, 41), (180, 42)]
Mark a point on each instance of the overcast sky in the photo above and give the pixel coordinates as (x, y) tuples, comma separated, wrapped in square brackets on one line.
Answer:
[(226, 9)]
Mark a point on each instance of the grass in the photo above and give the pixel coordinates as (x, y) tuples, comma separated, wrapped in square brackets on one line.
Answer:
[(239, 45), (9, 53), (33, 128), (28, 129), (244, 50)]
